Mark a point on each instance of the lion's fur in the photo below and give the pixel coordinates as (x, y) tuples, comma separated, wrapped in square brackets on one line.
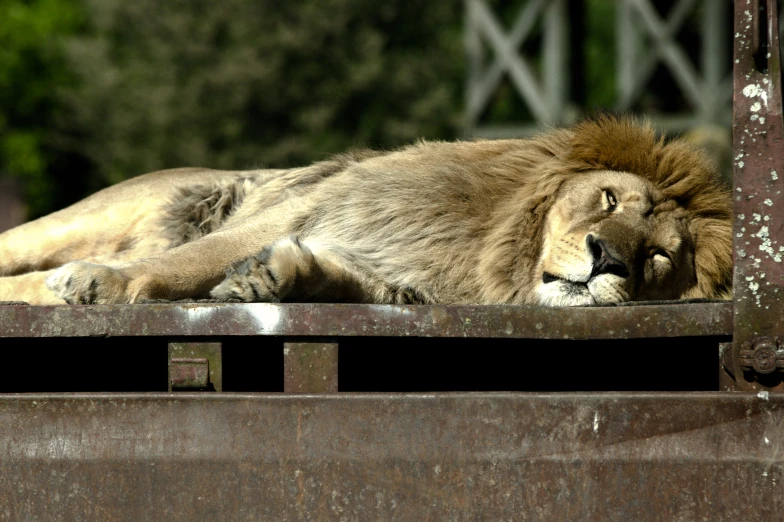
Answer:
[(450, 222)]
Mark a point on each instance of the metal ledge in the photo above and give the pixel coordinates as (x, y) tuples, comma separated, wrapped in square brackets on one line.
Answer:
[(498, 456), (676, 319)]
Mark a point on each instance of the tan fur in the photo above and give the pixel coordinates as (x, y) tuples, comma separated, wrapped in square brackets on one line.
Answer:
[(508, 221)]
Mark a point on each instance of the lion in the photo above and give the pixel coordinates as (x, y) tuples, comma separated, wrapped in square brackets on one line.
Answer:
[(603, 212)]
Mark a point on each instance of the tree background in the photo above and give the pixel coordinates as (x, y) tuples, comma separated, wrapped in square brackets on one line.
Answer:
[(95, 91)]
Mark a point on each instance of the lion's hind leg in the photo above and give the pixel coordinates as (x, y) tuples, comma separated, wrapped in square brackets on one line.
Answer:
[(29, 288), (291, 270)]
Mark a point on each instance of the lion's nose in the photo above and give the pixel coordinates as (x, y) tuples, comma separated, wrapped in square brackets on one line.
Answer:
[(603, 261)]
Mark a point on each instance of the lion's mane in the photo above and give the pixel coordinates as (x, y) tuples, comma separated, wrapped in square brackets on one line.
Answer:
[(684, 174)]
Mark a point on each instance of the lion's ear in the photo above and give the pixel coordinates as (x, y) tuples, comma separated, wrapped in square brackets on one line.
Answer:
[(616, 143), (712, 258)]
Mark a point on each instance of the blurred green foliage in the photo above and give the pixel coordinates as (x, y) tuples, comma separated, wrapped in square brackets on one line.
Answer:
[(32, 69), (244, 83), (599, 46), (95, 91)]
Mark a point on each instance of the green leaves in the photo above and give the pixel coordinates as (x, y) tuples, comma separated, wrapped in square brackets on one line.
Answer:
[(262, 82), (32, 69)]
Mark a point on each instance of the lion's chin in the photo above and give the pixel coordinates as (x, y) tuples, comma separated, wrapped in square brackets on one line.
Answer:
[(564, 293), (561, 292)]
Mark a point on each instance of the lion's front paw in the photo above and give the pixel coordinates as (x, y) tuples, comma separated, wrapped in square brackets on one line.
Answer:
[(270, 276), (87, 283)]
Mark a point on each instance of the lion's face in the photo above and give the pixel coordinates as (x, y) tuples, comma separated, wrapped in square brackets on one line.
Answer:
[(610, 238)]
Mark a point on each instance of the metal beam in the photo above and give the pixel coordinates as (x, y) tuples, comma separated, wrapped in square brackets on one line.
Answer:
[(758, 153), (497, 456), (672, 319)]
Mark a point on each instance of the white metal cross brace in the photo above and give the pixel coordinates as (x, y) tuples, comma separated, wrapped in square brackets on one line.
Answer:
[(706, 91), (544, 101)]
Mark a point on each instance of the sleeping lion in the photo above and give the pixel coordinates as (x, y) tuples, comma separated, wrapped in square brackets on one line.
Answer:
[(604, 212)]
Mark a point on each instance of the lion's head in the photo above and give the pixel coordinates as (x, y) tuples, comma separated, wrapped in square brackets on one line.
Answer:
[(609, 238), (627, 216)]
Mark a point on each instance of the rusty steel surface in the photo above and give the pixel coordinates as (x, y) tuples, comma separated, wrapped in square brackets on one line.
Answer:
[(335, 320), (310, 367), (503, 456), (195, 366), (758, 152), (189, 374)]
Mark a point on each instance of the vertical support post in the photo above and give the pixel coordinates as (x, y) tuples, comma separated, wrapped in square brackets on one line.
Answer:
[(556, 74), (758, 203), (627, 35), (713, 56), (310, 367), (476, 64), (195, 367)]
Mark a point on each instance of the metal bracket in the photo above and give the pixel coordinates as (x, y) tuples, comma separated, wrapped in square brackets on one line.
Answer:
[(195, 367), (764, 357)]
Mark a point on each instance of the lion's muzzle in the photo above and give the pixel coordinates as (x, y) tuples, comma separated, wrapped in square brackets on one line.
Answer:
[(604, 262)]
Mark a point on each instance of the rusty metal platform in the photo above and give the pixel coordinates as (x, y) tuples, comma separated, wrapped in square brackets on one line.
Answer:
[(673, 319), (609, 457)]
